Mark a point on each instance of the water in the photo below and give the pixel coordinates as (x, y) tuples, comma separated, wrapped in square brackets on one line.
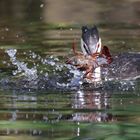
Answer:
[(41, 96), (77, 115)]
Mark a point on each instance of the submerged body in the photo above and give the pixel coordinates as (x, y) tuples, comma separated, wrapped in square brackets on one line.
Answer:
[(126, 66)]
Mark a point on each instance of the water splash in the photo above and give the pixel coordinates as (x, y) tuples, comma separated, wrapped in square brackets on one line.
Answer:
[(51, 72), (31, 74), (77, 79)]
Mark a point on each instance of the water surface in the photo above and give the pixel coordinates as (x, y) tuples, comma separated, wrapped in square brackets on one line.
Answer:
[(39, 99)]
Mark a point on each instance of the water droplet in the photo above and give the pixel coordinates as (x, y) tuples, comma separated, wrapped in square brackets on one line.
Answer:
[(17, 36), (42, 5), (6, 29), (11, 52)]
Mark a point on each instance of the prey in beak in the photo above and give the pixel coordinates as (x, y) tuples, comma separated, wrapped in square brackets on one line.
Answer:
[(93, 55)]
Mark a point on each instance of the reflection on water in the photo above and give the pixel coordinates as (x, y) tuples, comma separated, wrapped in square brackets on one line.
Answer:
[(96, 101), (68, 114)]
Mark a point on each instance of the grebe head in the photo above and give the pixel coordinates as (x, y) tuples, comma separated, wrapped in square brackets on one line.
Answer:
[(90, 40)]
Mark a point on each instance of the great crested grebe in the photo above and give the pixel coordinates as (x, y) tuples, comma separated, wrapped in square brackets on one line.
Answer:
[(93, 55)]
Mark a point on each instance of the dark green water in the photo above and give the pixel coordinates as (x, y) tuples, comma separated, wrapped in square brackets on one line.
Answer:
[(42, 33)]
